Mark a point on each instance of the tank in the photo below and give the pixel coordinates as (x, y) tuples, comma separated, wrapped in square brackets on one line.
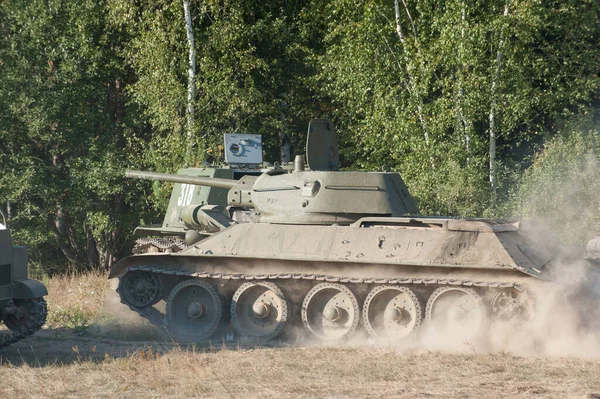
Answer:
[(22, 305), (328, 253), (243, 156)]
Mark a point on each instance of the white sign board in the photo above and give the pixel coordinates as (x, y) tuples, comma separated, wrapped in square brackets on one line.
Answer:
[(243, 149)]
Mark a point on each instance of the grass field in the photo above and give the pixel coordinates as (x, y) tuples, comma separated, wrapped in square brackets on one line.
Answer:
[(89, 350)]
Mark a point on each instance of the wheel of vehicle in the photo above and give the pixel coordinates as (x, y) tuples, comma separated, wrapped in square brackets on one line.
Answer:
[(140, 288), (511, 304), (194, 310), (456, 312), (259, 310), (392, 312), (27, 316), (330, 311)]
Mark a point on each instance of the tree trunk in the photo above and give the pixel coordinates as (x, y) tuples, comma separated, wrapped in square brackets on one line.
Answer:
[(8, 211), (92, 253), (493, 96), (463, 124), (64, 235), (191, 95), (412, 80)]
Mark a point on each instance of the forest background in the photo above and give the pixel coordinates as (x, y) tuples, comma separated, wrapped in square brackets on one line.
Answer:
[(487, 108)]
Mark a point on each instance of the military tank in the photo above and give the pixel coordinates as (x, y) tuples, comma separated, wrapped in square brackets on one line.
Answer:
[(243, 156), (330, 251), (23, 309)]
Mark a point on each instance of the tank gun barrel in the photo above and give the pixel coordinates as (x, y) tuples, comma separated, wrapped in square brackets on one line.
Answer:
[(195, 180)]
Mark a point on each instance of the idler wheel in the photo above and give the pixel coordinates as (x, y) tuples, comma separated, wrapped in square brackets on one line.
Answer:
[(194, 310), (456, 312), (140, 289), (330, 311), (259, 310), (392, 312)]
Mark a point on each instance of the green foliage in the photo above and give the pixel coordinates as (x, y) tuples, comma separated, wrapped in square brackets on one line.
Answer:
[(421, 103), (73, 317), (65, 132), (91, 88), (250, 73), (562, 187)]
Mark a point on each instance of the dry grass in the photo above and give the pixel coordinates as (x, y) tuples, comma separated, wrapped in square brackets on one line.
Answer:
[(88, 305), (70, 361), (300, 372), (76, 301)]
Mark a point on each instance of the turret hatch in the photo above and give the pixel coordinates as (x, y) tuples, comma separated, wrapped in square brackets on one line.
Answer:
[(321, 146)]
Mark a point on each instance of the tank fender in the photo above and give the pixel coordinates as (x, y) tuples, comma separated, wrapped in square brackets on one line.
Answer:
[(119, 267), (135, 260), (28, 289)]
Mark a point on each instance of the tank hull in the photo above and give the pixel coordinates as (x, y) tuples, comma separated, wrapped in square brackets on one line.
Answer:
[(415, 242), (426, 260)]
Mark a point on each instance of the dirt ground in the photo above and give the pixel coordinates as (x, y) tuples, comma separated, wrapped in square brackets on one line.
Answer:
[(59, 363)]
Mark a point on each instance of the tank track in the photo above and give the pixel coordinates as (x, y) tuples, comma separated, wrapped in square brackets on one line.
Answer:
[(159, 244), (39, 313), (158, 319)]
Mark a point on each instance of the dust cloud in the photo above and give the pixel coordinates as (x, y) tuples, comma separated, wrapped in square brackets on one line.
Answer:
[(565, 318), (123, 324), (563, 323)]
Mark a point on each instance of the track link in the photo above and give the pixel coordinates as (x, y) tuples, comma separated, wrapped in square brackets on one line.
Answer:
[(157, 318), (159, 244)]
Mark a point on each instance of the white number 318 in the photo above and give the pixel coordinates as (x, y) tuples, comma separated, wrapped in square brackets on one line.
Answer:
[(185, 197)]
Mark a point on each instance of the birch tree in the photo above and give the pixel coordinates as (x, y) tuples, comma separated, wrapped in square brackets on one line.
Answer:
[(412, 79), (497, 65), (462, 121), (191, 91)]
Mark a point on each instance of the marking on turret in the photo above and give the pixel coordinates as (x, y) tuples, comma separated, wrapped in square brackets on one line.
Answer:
[(186, 194), (419, 244), (381, 241), (347, 255), (397, 246), (360, 255), (345, 242)]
